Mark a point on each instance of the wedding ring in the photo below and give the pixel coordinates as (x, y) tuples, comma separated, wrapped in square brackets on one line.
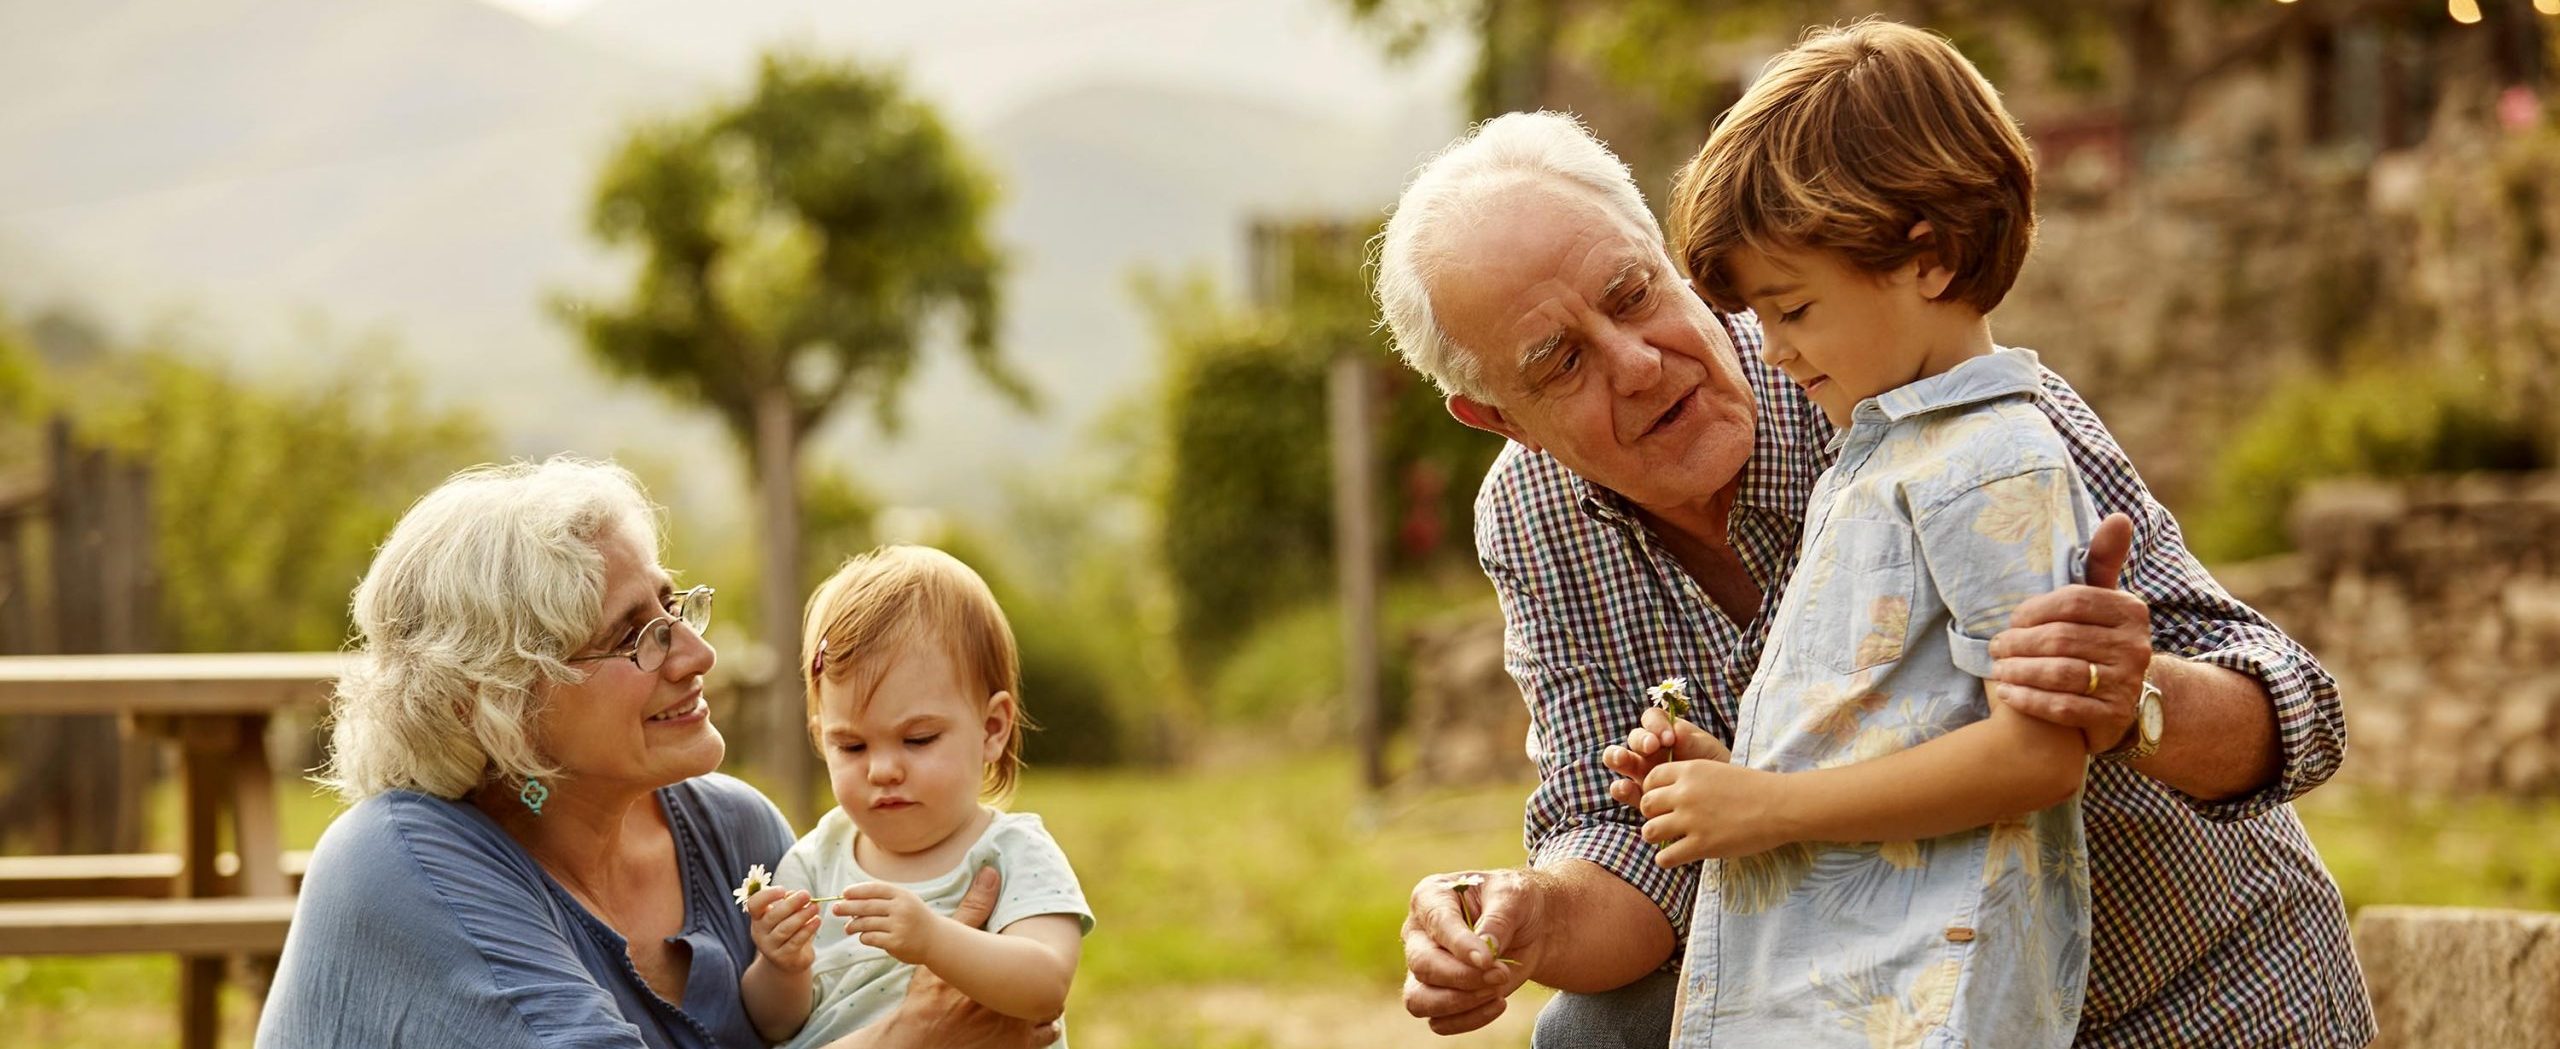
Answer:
[(2093, 681)]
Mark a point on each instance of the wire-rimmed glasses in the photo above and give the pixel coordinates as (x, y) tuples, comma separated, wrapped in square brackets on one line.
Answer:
[(648, 647)]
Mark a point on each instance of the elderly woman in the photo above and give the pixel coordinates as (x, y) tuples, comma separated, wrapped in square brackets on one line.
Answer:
[(539, 852)]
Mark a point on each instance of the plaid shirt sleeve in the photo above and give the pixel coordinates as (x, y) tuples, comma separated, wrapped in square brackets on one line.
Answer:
[(1578, 705), (2194, 617)]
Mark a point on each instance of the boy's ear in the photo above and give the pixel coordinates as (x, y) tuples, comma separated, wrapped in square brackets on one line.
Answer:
[(999, 724), (1930, 272), (1488, 418)]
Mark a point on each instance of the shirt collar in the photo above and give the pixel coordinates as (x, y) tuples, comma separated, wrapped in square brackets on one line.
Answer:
[(2000, 373)]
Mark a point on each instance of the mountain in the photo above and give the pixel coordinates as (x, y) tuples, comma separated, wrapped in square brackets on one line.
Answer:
[(416, 167), (420, 167)]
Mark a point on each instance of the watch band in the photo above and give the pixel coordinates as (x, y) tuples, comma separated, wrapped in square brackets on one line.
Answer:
[(2142, 738)]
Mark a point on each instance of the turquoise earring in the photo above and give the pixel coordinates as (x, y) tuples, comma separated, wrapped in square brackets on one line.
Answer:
[(533, 795)]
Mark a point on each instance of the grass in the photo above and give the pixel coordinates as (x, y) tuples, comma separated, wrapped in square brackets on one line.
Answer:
[(2385, 847), (1242, 904), (1252, 902)]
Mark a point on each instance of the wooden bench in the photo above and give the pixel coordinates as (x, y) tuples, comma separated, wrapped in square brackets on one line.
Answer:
[(192, 928), (215, 708), (139, 875)]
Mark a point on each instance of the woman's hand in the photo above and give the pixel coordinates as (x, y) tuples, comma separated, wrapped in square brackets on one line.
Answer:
[(892, 919), (785, 922), (935, 1015)]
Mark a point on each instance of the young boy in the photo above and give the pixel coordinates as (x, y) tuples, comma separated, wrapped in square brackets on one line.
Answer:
[(912, 678), (1871, 202)]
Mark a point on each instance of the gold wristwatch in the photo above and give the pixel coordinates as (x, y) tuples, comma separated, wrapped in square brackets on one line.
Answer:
[(2142, 738)]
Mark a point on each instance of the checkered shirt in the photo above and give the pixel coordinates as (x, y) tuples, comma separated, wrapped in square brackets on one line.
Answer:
[(2215, 922)]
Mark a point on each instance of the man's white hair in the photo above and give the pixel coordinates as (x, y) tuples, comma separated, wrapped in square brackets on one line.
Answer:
[(1453, 187), (485, 586)]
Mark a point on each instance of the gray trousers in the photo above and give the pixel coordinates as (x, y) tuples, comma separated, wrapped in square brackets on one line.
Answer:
[(1636, 1016)]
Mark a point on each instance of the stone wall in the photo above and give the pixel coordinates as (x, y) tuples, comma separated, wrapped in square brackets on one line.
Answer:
[(1467, 712), (2436, 603), (2445, 976)]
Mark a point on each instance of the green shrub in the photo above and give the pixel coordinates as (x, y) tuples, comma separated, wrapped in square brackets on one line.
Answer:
[(1291, 663), (2394, 419)]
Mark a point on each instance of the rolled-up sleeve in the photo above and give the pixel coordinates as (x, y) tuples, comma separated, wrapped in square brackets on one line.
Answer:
[(2193, 617), (2198, 620), (1576, 710)]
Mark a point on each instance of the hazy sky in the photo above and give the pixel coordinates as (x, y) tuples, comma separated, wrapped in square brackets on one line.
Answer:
[(980, 58), (544, 10)]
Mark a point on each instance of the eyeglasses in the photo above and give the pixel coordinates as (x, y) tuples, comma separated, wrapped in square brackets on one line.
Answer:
[(648, 648)]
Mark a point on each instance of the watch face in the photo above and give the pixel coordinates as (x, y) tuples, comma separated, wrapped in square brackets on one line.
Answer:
[(2150, 716)]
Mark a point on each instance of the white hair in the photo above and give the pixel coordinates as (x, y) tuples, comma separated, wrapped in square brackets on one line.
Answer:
[(483, 588), (1454, 186)]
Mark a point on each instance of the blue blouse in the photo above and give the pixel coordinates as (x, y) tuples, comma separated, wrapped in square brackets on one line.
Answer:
[(422, 923)]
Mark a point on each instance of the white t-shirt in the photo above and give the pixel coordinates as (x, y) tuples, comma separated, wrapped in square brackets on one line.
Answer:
[(858, 984)]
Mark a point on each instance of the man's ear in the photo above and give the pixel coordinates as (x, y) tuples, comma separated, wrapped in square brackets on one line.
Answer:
[(1488, 418), (1930, 269)]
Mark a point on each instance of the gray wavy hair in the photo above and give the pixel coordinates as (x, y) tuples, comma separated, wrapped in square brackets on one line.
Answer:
[(483, 588), (1453, 187)]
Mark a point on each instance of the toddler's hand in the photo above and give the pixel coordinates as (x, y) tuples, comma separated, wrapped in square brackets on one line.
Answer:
[(1659, 740), (1701, 809), (786, 925), (890, 918)]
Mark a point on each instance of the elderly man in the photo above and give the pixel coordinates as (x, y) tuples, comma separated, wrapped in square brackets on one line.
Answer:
[(1642, 524)]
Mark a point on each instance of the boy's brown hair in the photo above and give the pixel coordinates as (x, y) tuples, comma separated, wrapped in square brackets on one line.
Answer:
[(897, 595), (1843, 144)]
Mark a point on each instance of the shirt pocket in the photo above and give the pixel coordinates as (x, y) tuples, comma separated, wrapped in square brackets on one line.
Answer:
[(1860, 614)]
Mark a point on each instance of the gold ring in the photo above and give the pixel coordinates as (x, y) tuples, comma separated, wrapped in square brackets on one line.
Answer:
[(2093, 681)]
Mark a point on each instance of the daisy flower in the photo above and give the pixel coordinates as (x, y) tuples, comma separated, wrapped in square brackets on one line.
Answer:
[(757, 881), (1672, 695)]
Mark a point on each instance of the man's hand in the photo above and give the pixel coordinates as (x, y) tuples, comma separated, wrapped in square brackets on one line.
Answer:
[(1658, 739), (2040, 665), (890, 918), (1705, 809), (1470, 939), (785, 924)]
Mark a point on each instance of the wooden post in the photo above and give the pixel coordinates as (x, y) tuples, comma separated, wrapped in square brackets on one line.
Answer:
[(17, 603), (80, 760), (205, 758), (1355, 551)]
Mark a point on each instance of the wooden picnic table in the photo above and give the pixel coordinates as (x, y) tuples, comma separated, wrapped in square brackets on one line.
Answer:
[(216, 708)]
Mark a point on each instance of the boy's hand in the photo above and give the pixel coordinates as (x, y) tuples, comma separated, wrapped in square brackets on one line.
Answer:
[(1709, 809), (786, 926), (1660, 739), (890, 918)]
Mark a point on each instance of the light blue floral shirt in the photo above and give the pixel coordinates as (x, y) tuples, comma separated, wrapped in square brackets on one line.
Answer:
[(1952, 501)]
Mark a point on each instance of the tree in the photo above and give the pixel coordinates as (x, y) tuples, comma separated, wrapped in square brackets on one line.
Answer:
[(796, 248)]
